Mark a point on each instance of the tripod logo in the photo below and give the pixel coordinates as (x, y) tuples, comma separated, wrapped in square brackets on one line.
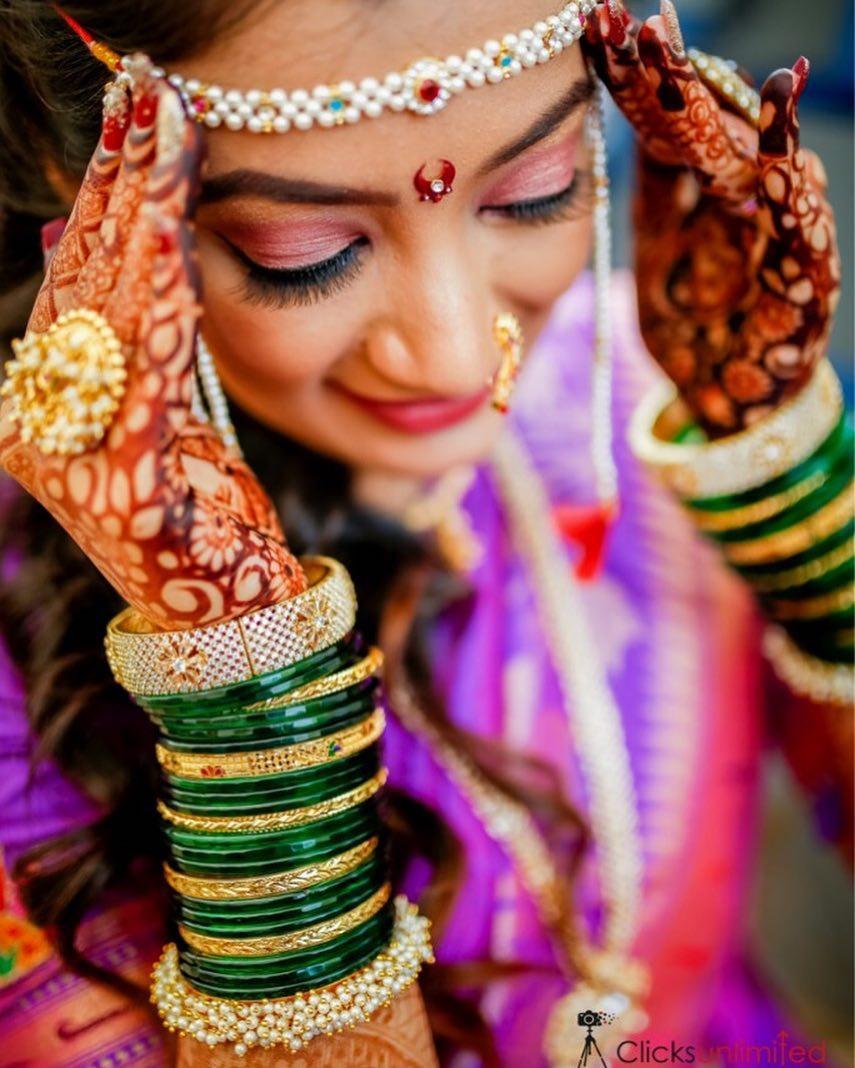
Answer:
[(590, 1019)]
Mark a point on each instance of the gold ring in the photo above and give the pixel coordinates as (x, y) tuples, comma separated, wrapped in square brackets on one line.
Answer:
[(270, 945), (65, 385), (283, 882), (260, 762), (275, 821)]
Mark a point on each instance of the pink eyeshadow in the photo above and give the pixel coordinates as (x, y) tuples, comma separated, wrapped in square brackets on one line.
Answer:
[(291, 245), (541, 174)]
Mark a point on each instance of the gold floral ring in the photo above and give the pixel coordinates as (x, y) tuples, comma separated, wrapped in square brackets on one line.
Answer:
[(65, 385)]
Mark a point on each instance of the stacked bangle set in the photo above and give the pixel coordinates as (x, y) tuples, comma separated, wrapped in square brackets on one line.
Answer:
[(778, 500), (271, 776)]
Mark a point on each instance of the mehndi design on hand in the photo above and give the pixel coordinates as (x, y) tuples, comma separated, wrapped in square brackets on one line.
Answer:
[(737, 265), (175, 521)]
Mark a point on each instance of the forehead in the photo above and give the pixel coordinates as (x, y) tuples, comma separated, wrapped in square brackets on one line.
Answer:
[(300, 44)]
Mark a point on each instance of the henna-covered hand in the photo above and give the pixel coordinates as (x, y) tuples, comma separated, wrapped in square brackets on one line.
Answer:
[(175, 521), (736, 259)]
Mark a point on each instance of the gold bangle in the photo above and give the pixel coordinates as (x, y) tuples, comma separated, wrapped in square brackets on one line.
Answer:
[(271, 945), (370, 665), (812, 607), (760, 511), (146, 661), (275, 821), (259, 886), (804, 573), (796, 539), (292, 1022), (260, 762), (744, 460), (818, 680)]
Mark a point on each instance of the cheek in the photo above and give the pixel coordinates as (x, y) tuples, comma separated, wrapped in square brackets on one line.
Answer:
[(543, 262), (283, 350)]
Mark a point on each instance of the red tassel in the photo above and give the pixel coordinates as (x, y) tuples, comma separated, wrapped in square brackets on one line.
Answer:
[(85, 37), (587, 526)]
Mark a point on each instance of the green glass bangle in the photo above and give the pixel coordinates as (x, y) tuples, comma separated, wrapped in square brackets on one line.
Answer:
[(837, 444), (828, 650), (274, 793), (843, 575), (335, 658), (269, 735), (320, 903), (827, 545), (281, 720), (221, 855), (839, 478), (271, 977)]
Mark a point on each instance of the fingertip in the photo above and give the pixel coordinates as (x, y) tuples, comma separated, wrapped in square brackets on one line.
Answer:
[(801, 73), (776, 126)]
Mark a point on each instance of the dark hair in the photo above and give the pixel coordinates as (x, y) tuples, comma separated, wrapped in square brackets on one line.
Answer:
[(55, 605)]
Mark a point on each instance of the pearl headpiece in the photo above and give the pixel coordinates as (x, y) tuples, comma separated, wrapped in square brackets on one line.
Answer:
[(424, 88)]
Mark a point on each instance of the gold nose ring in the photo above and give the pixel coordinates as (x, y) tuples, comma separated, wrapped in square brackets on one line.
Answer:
[(508, 335)]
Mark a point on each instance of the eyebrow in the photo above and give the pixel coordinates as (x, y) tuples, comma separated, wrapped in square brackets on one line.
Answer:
[(275, 187)]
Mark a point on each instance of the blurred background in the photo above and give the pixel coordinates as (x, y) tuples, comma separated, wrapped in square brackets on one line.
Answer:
[(802, 918)]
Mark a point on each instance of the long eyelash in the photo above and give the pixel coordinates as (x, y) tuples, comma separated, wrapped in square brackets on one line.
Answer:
[(575, 200), (277, 288)]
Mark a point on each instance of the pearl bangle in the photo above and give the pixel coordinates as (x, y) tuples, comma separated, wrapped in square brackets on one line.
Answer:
[(294, 1021)]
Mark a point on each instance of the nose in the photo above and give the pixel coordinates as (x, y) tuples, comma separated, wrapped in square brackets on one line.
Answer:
[(436, 335)]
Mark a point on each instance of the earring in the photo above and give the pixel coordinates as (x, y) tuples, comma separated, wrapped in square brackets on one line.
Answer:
[(589, 525), (508, 335), (434, 189), (209, 398)]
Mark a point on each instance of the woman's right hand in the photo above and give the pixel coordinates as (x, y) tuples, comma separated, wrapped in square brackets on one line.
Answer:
[(174, 520)]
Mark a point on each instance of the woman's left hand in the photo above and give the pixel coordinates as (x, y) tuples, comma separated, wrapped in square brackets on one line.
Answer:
[(737, 265)]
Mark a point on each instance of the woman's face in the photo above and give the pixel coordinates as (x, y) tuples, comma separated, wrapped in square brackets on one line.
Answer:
[(344, 311)]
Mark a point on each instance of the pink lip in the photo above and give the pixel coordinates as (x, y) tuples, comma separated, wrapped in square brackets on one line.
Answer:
[(421, 416)]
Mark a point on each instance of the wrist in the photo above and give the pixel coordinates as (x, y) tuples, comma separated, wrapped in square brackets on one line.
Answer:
[(777, 499)]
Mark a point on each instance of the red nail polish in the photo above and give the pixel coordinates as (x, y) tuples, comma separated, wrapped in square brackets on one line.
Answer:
[(618, 22), (115, 129), (145, 109), (801, 71), (51, 233)]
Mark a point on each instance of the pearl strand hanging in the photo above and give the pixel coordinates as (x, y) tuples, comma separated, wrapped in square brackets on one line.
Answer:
[(214, 396), (602, 456)]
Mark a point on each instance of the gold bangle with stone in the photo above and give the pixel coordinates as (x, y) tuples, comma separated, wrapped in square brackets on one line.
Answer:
[(740, 461), (370, 665), (759, 512), (260, 886), (808, 676), (275, 821), (148, 662), (271, 945), (291, 1022), (258, 762), (818, 607), (795, 539), (804, 573)]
